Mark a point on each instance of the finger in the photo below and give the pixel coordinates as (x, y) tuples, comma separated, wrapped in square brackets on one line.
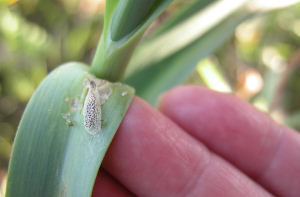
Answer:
[(242, 135), (105, 186), (152, 156)]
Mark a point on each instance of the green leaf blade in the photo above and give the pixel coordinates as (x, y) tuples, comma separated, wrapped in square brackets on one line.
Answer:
[(129, 10), (53, 154)]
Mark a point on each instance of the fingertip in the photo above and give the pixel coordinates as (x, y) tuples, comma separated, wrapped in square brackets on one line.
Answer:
[(136, 111)]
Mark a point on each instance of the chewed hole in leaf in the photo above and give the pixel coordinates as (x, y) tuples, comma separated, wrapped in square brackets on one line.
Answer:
[(67, 118)]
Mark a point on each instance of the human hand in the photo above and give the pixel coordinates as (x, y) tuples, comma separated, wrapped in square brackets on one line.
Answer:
[(202, 143)]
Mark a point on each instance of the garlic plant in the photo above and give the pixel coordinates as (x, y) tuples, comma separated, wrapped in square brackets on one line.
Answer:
[(72, 117)]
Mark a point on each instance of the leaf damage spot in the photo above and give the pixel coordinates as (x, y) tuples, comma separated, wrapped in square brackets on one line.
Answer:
[(124, 93), (67, 118)]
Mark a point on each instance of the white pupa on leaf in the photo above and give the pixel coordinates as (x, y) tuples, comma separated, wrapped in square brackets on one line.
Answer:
[(98, 93)]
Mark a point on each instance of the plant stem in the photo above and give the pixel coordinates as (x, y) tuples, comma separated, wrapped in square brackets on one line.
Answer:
[(124, 23)]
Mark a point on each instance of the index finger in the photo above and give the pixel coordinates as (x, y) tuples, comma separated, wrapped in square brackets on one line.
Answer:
[(152, 156)]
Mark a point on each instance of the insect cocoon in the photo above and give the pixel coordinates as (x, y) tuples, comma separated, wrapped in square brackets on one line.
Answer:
[(96, 96)]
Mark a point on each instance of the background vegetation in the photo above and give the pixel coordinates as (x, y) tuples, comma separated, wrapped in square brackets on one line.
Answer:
[(259, 63)]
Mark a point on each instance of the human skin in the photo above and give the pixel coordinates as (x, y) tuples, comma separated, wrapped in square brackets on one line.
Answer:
[(200, 143)]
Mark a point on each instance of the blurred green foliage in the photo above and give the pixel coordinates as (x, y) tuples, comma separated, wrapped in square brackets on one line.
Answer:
[(269, 45), (36, 36)]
